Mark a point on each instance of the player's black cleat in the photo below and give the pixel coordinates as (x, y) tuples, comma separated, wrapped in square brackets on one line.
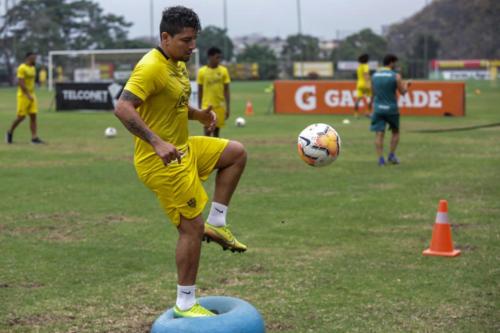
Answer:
[(37, 141), (8, 137)]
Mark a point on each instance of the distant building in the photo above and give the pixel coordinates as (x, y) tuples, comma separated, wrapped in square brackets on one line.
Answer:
[(326, 46), (276, 44)]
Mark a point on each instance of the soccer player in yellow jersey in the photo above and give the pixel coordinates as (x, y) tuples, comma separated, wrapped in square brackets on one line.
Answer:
[(363, 85), (213, 89), (26, 98), (154, 107)]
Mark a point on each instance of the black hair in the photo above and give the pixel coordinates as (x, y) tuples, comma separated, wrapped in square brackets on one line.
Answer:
[(364, 58), (29, 54), (213, 51), (174, 19), (389, 59)]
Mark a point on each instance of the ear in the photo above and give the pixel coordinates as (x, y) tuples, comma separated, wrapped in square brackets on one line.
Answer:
[(165, 37)]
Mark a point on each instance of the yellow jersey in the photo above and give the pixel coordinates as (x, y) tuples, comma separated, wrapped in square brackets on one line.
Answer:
[(163, 86), (213, 80), (362, 70), (28, 73)]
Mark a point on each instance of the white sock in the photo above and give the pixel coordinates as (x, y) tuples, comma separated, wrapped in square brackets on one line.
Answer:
[(217, 216), (185, 297)]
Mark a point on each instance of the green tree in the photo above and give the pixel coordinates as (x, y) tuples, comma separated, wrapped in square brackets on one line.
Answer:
[(299, 48), (365, 41), (44, 25), (213, 36), (264, 56)]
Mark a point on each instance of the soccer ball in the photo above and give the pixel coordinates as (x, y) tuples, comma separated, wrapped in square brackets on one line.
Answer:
[(240, 122), (319, 145), (110, 132)]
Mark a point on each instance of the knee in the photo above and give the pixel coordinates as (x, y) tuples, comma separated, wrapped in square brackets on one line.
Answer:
[(192, 228), (238, 153)]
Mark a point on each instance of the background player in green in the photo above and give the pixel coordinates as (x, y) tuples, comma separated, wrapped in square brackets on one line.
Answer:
[(386, 83), (154, 107), (213, 89), (26, 99)]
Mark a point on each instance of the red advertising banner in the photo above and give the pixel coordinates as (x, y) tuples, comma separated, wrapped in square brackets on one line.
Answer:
[(424, 98)]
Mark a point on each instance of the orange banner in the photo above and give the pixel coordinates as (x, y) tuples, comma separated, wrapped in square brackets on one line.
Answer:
[(424, 98)]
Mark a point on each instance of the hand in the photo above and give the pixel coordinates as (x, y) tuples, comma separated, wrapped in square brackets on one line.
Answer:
[(208, 118), (167, 152), (30, 97), (408, 84), (227, 114)]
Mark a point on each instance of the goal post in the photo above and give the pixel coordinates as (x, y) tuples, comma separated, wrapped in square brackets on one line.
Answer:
[(106, 65)]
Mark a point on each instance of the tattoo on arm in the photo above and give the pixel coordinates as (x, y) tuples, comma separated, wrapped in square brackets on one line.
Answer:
[(138, 129), (129, 97), (131, 118)]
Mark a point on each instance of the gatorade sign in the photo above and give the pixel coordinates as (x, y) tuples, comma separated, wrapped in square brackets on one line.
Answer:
[(424, 98)]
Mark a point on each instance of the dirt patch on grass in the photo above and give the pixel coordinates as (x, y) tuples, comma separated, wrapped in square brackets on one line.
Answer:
[(62, 226), (47, 232), (382, 186), (30, 164), (122, 158), (136, 319), (121, 219), (36, 320), (466, 247), (269, 141), (278, 327), (55, 217), (458, 226)]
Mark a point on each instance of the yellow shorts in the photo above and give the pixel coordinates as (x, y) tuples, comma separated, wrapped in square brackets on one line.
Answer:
[(363, 91), (25, 106), (178, 186), (221, 116)]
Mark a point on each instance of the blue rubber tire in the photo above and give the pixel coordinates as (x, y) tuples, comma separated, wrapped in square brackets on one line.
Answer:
[(234, 316)]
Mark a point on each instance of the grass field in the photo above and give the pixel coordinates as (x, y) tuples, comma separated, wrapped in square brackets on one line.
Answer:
[(86, 248)]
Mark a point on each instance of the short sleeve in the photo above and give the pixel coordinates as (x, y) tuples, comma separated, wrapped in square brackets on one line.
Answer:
[(21, 72), (227, 78), (366, 69), (144, 80)]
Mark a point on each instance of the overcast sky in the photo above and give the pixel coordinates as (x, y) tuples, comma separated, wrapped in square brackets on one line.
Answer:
[(321, 18)]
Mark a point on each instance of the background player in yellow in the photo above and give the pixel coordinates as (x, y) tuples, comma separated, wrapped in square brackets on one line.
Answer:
[(42, 76), (26, 98), (213, 89), (363, 85), (154, 107)]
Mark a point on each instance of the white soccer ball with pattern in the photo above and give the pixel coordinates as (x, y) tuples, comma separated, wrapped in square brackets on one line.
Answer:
[(319, 145), (240, 122), (110, 132)]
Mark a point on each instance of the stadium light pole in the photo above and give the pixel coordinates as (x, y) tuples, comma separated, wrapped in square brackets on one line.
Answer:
[(151, 20), (299, 21), (224, 15)]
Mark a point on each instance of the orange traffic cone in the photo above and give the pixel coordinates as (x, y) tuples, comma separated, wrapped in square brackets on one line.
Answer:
[(441, 243), (249, 109)]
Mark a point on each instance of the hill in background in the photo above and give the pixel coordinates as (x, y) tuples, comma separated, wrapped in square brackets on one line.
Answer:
[(452, 29)]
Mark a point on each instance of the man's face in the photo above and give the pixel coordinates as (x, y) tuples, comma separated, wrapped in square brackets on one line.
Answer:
[(181, 46), (31, 59), (214, 60)]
